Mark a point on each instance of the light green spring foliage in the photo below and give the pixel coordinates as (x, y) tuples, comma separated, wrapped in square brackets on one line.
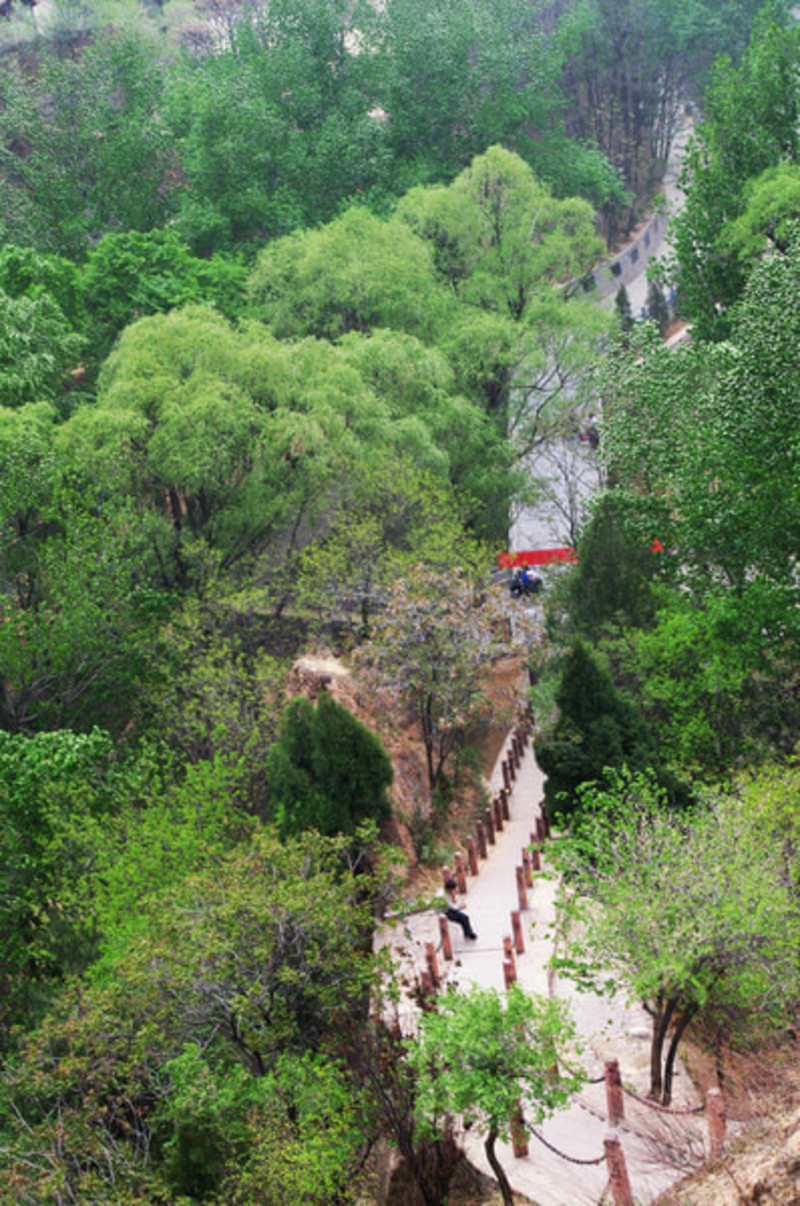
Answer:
[(111, 1096), (37, 348), (694, 906), (433, 644), (480, 1054), (750, 125)]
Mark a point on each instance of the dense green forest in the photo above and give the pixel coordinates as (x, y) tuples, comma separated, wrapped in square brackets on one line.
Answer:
[(287, 299)]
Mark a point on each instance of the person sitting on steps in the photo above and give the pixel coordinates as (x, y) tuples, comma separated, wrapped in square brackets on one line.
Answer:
[(453, 912)]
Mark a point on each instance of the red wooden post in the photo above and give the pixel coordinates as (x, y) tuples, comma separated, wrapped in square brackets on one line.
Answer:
[(545, 824), (498, 814), (506, 774), (526, 868), (540, 829), (516, 927), (615, 1102), (521, 891), (536, 858), (444, 930), (472, 855), (433, 967), (715, 1108), (461, 874), (519, 1140), (508, 952), (504, 805), (617, 1172), (488, 818), (509, 975), (480, 830), (426, 989), (512, 766)]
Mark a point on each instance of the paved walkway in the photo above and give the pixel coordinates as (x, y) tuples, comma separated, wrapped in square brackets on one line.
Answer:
[(607, 1028)]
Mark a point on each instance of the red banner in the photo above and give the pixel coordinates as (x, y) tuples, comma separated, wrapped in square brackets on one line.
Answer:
[(550, 556), (535, 557)]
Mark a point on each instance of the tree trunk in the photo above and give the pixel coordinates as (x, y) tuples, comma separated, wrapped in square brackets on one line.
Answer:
[(661, 1019), (497, 1169), (669, 1066)]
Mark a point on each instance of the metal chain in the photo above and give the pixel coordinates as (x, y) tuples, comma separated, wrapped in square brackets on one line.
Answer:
[(563, 1155), (624, 1125), (662, 1109)]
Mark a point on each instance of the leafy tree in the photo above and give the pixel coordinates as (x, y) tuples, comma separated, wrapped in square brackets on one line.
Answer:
[(250, 962), (432, 645), (611, 582), (131, 274), (54, 788), (657, 307), (326, 771), (689, 911), (597, 728), (483, 1057), (622, 305), (629, 65), (454, 81), (689, 432), (355, 274), (37, 348), (750, 125), (772, 210), (24, 272), (71, 625), (273, 132), (83, 148), (501, 242)]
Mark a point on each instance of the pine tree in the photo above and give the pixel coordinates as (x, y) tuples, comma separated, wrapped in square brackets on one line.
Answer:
[(622, 304), (326, 771), (657, 307)]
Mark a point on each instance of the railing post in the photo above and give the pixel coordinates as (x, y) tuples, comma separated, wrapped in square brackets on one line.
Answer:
[(433, 967), (444, 931), (617, 1172), (526, 868), (509, 975), (480, 830), (717, 1122), (461, 874), (489, 822), (472, 855), (615, 1101), (521, 891), (516, 928), (508, 952)]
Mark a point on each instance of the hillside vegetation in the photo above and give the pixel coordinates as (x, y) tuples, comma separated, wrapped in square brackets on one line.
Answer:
[(289, 295)]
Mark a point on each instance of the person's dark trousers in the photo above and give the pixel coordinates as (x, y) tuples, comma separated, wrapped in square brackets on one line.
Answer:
[(463, 921)]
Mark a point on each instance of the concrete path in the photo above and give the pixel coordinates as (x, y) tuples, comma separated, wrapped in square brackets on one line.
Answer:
[(657, 1147)]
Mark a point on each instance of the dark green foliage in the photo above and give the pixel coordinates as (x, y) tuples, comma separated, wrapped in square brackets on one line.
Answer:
[(26, 273), (55, 788), (622, 305), (326, 771), (751, 122), (612, 581), (83, 147), (657, 308), (131, 274), (598, 727)]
